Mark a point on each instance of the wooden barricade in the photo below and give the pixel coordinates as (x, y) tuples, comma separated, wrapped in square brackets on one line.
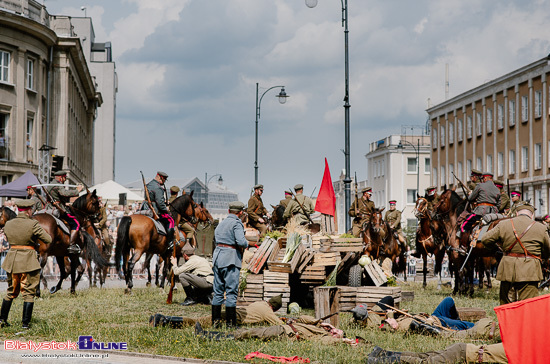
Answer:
[(370, 295), (327, 301), (259, 259), (275, 261)]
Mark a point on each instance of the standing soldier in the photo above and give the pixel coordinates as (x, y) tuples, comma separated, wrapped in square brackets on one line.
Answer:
[(61, 196), (37, 203), (361, 210), (504, 199), (256, 211), (227, 261), (21, 262), (393, 217), (524, 242), (475, 178), (157, 196), (174, 190), (287, 199), (300, 207), (516, 201)]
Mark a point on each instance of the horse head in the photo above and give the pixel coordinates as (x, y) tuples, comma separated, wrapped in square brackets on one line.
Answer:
[(202, 214), (421, 208), (6, 214), (88, 203), (377, 220)]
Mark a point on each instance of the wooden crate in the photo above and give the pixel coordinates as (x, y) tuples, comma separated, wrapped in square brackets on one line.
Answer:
[(376, 274), (471, 313), (407, 295), (261, 255), (271, 277), (271, 290), (275, 263), (348, 296), (325, 259), (327, 301), (371, 295), (336, 244)]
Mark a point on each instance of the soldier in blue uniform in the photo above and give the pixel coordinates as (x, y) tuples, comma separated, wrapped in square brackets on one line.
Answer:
[(227, 260), (157, 194)]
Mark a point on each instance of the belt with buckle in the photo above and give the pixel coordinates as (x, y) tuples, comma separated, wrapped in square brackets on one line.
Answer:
[(227, 246)]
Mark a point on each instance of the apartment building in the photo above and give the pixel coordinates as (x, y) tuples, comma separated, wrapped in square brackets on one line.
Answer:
[(500, 126)]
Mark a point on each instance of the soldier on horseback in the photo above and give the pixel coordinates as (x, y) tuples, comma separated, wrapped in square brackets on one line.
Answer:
[(287, 199), (486, 199), (300, 207), (431, 197), (516, 202), (475, 178), (504, 199), (61, 196), (32, 195), (157, 194), (361, 210), (393, 217), (256, 211)]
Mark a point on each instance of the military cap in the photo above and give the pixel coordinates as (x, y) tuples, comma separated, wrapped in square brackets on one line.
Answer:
[(276, 302), (29, 186), (517, 193), (366, 189), (526, 206), (392, 202), (174, 189), (487, 173), (498, 183), (360, 312), (299, 186), (24, 204), (162, 174), (431, 190), (475, 172), (60, 173), (188, 249), (258, 186), (288, 193), (236, 206)]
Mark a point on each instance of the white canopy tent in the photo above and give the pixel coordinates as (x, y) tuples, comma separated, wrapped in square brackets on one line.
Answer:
[(110, 192)]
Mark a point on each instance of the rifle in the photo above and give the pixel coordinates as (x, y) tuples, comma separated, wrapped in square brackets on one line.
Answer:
[(461, 184), (54, 203), (302, 206), (291, 319), (312, 192), (416, 318), (356, 195), (508, 187), (44, 203), (155, 215), (172, 280)]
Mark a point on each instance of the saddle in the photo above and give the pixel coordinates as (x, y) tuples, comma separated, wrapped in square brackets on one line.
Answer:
[(64, 227), (160, 228)]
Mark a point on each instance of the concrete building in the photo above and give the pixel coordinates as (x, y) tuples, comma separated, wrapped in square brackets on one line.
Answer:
[(394, 173), (47, 93), (100, 62), (500, 126)]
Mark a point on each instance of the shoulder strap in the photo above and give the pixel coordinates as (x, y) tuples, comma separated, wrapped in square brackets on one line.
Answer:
[(518, 240)]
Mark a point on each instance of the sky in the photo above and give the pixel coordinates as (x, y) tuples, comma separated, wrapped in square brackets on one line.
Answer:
[(187, 73)]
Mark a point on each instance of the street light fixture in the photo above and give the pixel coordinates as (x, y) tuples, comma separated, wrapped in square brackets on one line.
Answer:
[(347, 178), (417, 151), (282, 96)]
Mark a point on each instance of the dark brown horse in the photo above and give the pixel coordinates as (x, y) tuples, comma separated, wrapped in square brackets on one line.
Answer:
[(138, 232), (392, 248), (430, 239), (6, 214), (83, 208), (277, 221), (373, 235)]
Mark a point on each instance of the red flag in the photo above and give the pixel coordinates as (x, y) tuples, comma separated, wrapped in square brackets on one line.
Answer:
[(524, 329), (326, 200)]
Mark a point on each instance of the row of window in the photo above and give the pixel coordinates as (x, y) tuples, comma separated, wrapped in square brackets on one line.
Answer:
[(500, 113), (5, 68), (489, 164), (413, 168)]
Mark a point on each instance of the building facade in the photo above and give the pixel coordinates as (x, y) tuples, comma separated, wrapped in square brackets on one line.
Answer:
[(398, 167), (47, 94), (500, 126)]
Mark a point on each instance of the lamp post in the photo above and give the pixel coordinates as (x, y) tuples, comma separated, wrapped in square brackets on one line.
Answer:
[(417, 151), (282, 96), (347, 179), (207, 181)]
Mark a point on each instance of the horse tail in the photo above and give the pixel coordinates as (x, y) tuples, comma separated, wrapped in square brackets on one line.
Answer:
[(92, 251), (122, 239)]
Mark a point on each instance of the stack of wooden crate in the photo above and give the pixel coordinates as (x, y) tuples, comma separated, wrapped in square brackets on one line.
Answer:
[(370, 295), (254, 290), (276, 283)]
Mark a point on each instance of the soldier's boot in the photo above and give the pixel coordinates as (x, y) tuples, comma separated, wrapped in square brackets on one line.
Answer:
[(189, 296), (424, 329), (212, 335), (73, 246), (175, 322), (381, 356), (231, 317), (27, 314), (4, 312), (216, 315)]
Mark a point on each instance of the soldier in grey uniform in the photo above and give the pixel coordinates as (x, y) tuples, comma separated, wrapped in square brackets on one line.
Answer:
[(21, 262), (295, 211), (157, 194), (524, 242), (32, 195), (486, 199), (61, 196), (227, 261)]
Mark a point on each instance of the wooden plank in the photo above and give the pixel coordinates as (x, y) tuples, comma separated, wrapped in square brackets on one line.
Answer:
[(471, 313), (376, 274), (261, 261), (327, 301), (306, 260)]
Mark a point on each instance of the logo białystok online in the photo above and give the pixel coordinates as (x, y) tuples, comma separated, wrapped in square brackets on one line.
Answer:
[(88, 343)]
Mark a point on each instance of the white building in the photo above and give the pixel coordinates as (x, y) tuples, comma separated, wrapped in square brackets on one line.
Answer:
[(392, 171)]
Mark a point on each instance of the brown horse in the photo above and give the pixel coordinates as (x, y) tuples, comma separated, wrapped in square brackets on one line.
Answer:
[(139, 232), (430, 239), (6, 214), (277, 221), (82, 208), (372, 234), (392, 248)]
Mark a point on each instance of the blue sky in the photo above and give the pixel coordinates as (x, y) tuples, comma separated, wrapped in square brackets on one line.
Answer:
[(188, 71)]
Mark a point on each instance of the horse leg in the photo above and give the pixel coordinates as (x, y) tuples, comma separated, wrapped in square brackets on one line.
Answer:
[(147, 264), (131, 263), (75, 264), (157, 272), (424, 269), (62, 274)]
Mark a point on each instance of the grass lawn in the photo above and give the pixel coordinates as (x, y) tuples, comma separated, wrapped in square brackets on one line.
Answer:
[(111, 316)]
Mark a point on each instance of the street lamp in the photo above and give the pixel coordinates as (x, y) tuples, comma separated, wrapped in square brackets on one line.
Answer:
[(347, 179), (417, 151), (207, 181), (282, 96)]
